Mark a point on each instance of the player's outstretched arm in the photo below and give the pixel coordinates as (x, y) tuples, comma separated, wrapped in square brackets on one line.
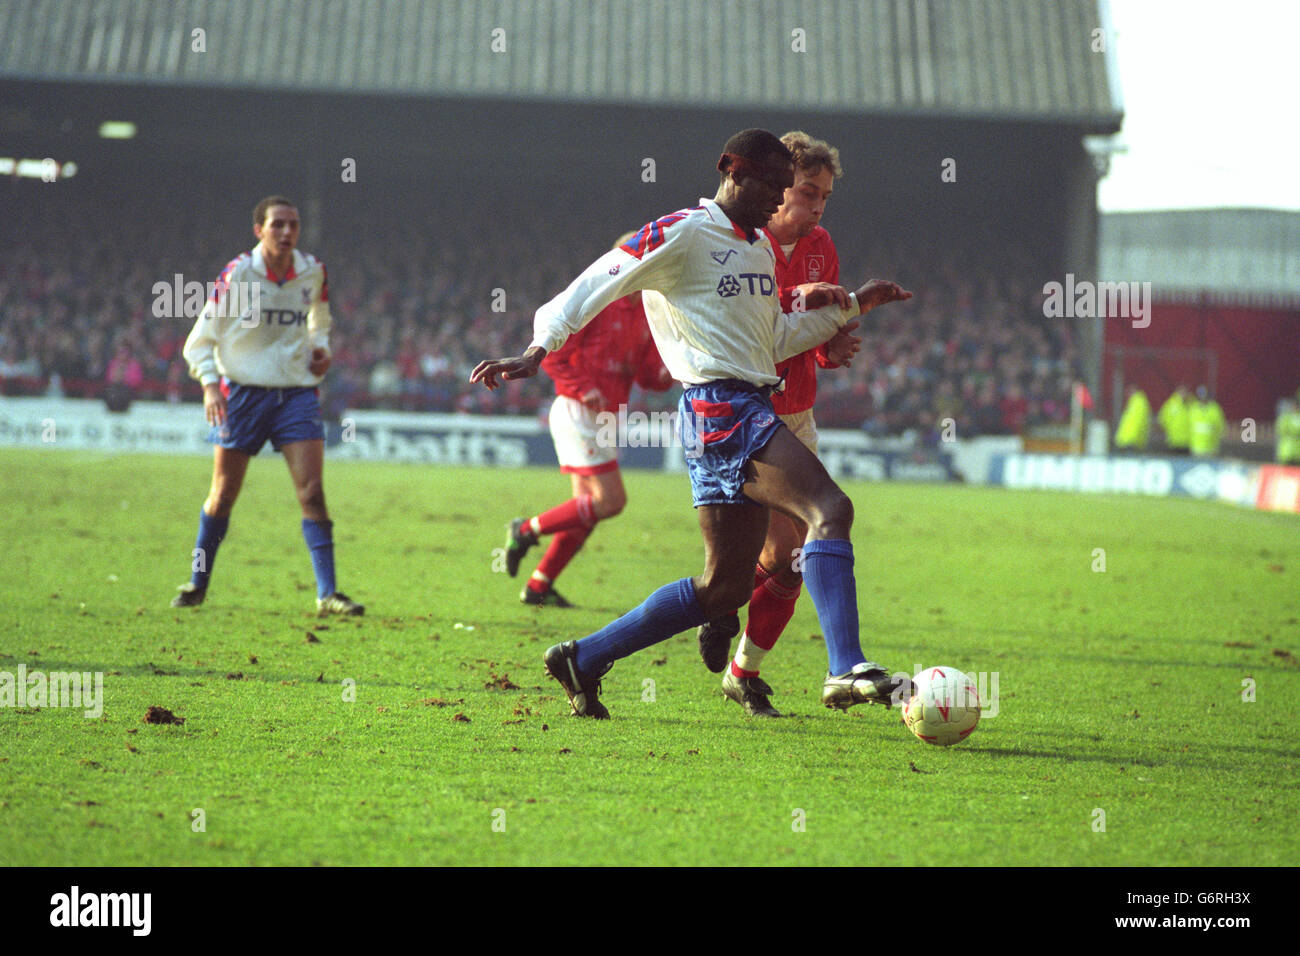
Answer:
[(817, 295), (520, 366), (877, 292)]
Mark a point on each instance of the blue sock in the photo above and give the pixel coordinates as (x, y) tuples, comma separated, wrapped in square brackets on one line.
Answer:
[(670, 610), (319, 536), (828, 575), (211, 532)]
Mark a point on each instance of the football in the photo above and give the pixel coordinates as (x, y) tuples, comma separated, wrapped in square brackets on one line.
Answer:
[(944, 707)]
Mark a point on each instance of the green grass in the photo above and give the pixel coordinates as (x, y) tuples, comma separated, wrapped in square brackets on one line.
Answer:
[(1119, 690)]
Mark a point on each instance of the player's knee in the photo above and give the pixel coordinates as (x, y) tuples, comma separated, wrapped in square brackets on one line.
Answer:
[(832, 516), (219, 504), (609, 504), (311, 494), (778, 555)]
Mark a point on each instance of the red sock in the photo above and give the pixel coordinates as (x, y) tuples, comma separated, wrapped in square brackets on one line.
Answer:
[(574, 513), (770, 610), (560, 552)]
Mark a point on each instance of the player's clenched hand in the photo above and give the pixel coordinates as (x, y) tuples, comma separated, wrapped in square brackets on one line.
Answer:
[(594, 400), (843, 345), (815, 295), (521, 366), (214, 404), (320, 362), (879, 292)]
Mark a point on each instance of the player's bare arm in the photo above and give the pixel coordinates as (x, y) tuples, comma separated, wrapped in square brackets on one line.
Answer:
[(510, 369), (878, 292), (816, 295)]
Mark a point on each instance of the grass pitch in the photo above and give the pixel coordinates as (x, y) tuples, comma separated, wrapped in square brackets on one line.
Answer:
[(1122, 734)]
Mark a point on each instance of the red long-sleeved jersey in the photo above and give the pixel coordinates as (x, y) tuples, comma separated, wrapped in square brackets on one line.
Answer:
[(609, 354), (813, 259)]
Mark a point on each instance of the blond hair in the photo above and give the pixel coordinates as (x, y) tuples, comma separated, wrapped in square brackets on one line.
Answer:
[(811, 154)]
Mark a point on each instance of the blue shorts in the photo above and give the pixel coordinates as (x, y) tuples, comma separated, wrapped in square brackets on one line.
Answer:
[(722, 425), (254, 414)]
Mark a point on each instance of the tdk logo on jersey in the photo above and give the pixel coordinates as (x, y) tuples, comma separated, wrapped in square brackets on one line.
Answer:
[(270, 317), (284, 317), (729, 285)]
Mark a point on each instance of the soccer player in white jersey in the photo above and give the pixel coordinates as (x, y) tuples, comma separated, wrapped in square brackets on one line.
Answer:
[(260, 348), (805, 256), (707, 276)]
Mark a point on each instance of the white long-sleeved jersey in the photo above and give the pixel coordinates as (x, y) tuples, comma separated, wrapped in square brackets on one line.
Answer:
[(710, 298), (259, 329)]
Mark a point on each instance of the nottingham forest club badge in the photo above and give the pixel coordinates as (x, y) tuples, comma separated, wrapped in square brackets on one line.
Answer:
[(815, 266)]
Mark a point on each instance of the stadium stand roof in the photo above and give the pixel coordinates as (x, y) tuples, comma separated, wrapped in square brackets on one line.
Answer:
[(1007, 59), (1231, 256)]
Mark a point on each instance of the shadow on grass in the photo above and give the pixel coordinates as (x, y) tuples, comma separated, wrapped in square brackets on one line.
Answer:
[(1069, 757), (1213, 757)]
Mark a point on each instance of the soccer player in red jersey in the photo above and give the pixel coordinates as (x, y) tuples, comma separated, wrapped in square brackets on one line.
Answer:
[(805, 259), (593, 372)]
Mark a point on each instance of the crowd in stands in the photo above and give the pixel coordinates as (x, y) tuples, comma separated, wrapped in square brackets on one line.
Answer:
[(416, 307)]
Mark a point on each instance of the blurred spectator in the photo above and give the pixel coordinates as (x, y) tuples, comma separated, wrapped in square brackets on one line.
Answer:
[(1174, 419), (125, 369), (117, 393), (14, 365), (1288, 433), (176, 377), (1205, 423), (385, 382), (1014, 409), (1135, 422), (987, 416)]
